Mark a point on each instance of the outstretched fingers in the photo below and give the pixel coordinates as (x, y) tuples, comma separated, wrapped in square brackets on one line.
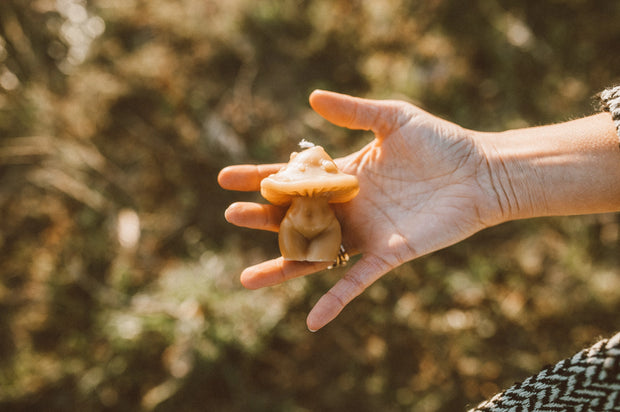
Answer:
[(276, 271), (358, 278)]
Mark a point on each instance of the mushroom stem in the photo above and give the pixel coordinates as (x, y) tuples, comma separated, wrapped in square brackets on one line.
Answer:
[(310, 230)]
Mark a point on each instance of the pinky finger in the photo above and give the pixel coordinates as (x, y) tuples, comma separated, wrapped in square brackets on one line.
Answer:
[(363, 274)]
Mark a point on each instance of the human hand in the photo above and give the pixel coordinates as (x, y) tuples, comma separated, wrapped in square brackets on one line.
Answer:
[(424, 185)]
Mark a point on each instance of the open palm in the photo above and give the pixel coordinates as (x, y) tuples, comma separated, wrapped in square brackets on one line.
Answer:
[(422, 183)]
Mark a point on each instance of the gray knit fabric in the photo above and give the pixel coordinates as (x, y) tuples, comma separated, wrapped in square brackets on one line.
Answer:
[(589, 381), (611, 102)]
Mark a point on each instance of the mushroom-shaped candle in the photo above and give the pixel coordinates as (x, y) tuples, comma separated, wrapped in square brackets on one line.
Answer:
[(309, 183)]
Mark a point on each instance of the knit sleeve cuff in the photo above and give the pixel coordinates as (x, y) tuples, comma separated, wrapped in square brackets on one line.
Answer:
[(610, 98)]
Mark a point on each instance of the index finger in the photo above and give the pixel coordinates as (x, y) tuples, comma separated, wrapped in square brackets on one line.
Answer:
[(245, 177)]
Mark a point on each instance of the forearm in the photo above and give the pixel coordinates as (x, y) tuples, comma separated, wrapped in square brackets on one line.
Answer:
[(563, 169)]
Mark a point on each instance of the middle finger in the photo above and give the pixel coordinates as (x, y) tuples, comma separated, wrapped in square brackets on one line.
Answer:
[(255, 215)]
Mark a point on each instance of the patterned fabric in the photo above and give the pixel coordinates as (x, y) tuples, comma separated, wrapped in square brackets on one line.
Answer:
[(589, 381), (611, 103)]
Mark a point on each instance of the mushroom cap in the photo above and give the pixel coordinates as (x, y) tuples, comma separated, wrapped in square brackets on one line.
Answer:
[(311, 172)]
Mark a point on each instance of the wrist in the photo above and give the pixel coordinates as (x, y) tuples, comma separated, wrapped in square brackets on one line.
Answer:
[(563, 169), (514, 186)]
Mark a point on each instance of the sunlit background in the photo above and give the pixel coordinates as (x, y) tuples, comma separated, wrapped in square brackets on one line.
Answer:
[(119, 281)]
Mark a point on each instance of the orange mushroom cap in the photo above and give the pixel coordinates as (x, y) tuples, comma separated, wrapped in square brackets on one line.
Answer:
[(313, 173)]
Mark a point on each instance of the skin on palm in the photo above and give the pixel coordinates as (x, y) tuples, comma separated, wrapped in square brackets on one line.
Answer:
[(408, 215)]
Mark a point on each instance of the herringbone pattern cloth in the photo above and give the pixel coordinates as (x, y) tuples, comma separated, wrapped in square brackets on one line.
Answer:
[(589, 381)]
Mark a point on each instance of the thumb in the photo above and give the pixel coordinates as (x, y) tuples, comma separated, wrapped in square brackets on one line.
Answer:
[(356, 113), (362, 274)]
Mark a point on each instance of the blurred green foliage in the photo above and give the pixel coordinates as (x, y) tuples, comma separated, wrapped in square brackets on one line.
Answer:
[(119, 282)]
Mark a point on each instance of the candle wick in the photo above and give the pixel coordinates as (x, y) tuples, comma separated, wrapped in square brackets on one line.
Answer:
[(304, 144)]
